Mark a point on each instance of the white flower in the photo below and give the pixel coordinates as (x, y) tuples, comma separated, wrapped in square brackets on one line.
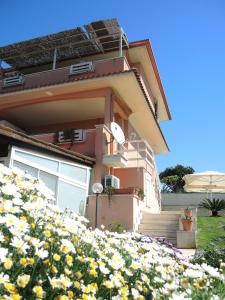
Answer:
[(116, 262), (180, 296), (103, 269), (4, 278), (61, 282), (212, 271), (135, 293), (68, 246), (17, 201), (10, 220), (9, 190), (193, 273), (3, 254), (36, 242), (20, 244), (42, 253), (23, 225)]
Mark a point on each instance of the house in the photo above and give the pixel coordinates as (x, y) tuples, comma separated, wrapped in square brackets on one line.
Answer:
[(64, 90)]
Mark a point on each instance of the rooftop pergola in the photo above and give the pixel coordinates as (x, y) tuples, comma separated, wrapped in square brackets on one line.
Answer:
[(96, 37)]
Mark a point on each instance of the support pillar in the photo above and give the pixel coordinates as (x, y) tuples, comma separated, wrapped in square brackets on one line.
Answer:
[(109, 108), (101, 147)]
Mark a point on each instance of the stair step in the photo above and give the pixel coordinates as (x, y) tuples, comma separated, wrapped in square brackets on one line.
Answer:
[(149, 221), (159, 226), (171, 239), (160, 235), (163, 225), (158, 231), (165, 217), (161, 215)]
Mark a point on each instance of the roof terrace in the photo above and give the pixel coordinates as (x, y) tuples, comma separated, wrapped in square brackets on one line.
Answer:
[(95, 38)]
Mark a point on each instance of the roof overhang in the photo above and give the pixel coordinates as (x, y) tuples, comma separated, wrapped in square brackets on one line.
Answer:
[(124, 84), (14, 137), (141, 52)]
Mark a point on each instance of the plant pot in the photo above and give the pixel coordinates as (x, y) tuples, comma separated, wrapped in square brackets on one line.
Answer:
[(187, 224), (188, 212)]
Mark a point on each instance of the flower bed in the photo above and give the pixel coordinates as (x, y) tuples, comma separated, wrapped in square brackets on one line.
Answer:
[(49, 254)]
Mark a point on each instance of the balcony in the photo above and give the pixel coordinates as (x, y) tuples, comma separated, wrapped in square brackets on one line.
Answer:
[(115, 160), (62, 75), (133, 154)]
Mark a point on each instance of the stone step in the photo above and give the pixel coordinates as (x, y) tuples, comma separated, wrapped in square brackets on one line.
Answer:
[(159, 232), (167, 215), (159, 217), (150, 221), (159, 226), (163, 225)]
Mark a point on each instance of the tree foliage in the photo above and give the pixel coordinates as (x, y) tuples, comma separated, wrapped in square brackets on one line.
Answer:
[(171, 178)]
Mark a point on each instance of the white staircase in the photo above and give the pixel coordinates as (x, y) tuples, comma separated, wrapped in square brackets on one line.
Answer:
[(163, 225)]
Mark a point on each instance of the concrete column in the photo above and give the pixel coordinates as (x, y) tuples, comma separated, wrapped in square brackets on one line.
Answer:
[(109, 108), (101, 147)]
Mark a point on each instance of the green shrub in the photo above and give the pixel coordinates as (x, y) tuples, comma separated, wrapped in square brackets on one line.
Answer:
[(214, 205), (211, 256)]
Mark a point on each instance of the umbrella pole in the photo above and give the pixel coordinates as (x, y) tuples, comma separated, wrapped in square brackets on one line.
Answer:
[(211, 190)]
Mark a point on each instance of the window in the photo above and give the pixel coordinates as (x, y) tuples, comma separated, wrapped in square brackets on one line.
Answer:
[(26, 168), (68, 181), (45, 162), (75, 172), (72, 197), (50, 181)]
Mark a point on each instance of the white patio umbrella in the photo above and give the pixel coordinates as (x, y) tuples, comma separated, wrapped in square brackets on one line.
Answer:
[(209, 181)]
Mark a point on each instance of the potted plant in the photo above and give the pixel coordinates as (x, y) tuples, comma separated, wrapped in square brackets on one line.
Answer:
[(109, 191), (187, 221), (141, 194), (188, 212)]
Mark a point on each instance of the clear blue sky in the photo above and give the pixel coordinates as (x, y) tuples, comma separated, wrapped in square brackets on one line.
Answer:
[(188, 39)]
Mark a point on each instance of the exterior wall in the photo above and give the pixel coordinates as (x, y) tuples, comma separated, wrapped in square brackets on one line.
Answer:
[(135, 177), (123, 209), (130, 177), (97, 144), (102, 67), (179, 201), (84, 124), (86, 147)]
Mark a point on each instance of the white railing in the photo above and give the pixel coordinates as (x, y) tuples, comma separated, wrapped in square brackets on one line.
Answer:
[(137, 150), (139, 154)]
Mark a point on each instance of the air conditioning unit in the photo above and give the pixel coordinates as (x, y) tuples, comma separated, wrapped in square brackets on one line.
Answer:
[(13, 80), (112, 181), (82, 68)]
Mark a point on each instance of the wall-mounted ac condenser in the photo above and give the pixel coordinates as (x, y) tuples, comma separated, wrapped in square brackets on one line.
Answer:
[(112, 181)]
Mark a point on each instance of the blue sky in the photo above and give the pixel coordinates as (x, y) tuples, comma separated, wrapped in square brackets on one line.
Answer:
[(188, 40)]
